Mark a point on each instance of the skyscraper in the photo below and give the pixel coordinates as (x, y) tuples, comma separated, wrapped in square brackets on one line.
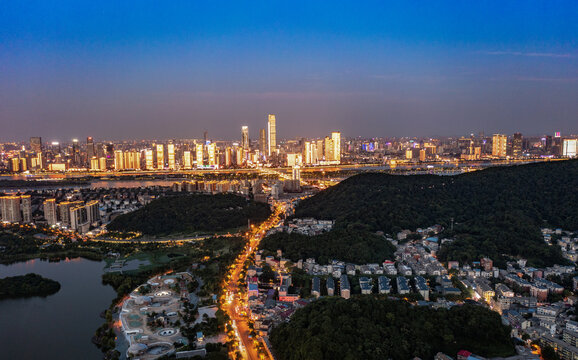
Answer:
[(160, 156), (245, 138), (569, 147), (517, 145), (50, 211), (76, 153), (187, 160), (212, 152), (149, 163), (271, 135), (171, 155), (336, 138), (26, 207), (10, 206), (118, 160), (499, 145), (328, 149), (200, 155), (36, 144), (90, 150), (263, 141)]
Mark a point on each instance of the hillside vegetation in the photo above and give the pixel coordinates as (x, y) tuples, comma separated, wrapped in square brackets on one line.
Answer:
[(191, 213), (359, 247), (496, 211), (371, 328)]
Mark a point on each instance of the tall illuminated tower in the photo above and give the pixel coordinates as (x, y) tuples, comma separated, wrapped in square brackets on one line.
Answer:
[(149, 163), (499, 145), (171, 155), (90, 149), (118, 160), (245, 138), (160, 156), (271, 135), (336, 137), (263, 141), (212, 152), (199, 150), (187, 160)]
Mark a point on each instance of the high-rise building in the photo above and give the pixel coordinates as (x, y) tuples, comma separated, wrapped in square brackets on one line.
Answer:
[(92, 211), (90, 149), (94, 164), (39, 161), (102, 163), (118, 160), (569, 147), (212, 153), (50, 211), (171, 155), (263, 141), (64, 211), (26, 208), (109, 156), (149, 161), (187, 160), (336, 138), (499, 145), (328, 149), (132, 160), (10, 206), (36, 144), (245, 138), (76, 153), (79, 218), (228, 156), (271, 135), (160, 156), (200, 155), (517, 145), (296, 173)]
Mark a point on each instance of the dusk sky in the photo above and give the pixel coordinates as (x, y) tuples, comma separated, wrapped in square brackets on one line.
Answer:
[(172, 69)]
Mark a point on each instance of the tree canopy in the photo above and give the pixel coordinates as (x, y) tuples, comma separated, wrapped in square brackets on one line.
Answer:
[(367, 327), (26, 286), (359, 247), (191, 213), (496, 211)]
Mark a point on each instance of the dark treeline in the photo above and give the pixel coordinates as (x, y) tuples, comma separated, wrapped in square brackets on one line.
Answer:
[(496, 211), (371, 328), (191, 213), (359, 247), (26, 286)]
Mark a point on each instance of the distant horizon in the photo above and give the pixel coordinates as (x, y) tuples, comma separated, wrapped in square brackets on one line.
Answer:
[(82, 139)]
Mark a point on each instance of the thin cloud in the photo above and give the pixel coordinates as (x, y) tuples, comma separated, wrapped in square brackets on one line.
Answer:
[(528, 54), (545, 79)]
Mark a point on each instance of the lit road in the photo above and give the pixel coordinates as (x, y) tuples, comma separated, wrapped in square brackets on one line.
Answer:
[(234, 301)]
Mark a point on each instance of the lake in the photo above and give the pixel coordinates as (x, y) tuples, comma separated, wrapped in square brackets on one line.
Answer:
[(59, 326)]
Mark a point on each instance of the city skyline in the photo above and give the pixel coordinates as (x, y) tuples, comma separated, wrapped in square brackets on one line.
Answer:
[(71, 70)]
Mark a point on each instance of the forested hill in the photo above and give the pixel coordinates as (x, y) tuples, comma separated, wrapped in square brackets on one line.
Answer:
[(496, 211), (370, 328), (191, 213)]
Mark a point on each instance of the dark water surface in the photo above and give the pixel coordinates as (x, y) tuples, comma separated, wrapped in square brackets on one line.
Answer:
[(59, 326)]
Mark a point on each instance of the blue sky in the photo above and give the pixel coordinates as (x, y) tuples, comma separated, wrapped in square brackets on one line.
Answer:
[(158, 69)]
